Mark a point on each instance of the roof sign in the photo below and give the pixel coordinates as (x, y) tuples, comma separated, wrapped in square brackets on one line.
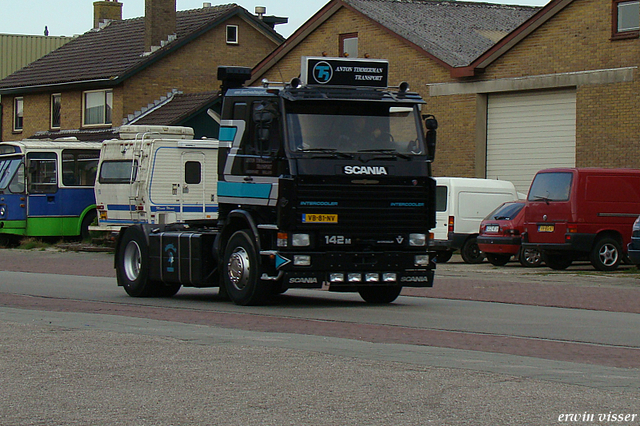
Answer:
[(321, 71)]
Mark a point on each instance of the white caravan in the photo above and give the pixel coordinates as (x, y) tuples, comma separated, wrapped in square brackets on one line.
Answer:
[(461, 204), (156, 174)]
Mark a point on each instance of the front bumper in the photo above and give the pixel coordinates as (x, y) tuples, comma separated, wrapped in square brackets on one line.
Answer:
[(354, 269)]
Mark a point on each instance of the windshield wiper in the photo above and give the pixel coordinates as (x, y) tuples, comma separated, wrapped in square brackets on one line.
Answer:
[(332, 151), (541, 198), (386, 151)]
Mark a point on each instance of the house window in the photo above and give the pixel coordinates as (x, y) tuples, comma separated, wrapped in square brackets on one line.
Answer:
[(232, 34), (18, 114), (56, 100), (97, 107), (626, 19), (349, 45)]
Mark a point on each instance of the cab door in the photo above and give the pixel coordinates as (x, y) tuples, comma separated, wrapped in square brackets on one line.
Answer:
[(44, 205), (194, 186)]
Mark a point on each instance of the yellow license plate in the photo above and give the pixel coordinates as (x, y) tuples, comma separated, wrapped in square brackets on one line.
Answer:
[(546, 228), (103, 215), (319, 218)]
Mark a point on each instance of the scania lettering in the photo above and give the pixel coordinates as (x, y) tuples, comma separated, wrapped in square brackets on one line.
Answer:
[(365, 170), (321, 183)]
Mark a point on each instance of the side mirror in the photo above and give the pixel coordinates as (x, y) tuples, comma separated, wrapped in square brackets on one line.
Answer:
[(431, 124)]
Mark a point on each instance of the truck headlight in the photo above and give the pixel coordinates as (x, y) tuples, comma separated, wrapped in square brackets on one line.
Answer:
[(300, 240), (417, 240), (421, 260)]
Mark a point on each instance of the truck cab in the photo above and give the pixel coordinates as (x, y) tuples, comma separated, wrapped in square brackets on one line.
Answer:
[(322, 184)]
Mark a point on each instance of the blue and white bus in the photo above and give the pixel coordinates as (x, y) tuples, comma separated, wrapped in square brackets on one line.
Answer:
[(47, 187)]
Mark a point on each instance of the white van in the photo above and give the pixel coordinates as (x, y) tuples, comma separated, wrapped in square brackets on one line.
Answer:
[(156, 174), (461, 204)]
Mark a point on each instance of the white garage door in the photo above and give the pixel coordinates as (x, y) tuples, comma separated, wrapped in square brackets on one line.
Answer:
[(529, 131)]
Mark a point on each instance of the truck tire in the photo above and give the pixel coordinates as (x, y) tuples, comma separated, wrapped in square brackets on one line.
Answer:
[(241, 271), (606, 254), (558, 262), (132, 264), (498, 259), (530, 258), (470, 251), (380, 294)]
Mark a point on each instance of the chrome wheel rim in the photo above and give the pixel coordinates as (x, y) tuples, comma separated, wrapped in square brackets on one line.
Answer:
[(532, 257), (239, 268), (608, 255), (132, 261)]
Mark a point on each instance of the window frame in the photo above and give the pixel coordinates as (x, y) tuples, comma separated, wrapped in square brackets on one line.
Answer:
[(236, 39), (52, 123), (18, 116), (107, 119), (344, 37), (616, 34)]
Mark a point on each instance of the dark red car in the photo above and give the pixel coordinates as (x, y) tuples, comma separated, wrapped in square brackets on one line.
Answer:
[(501, 236)]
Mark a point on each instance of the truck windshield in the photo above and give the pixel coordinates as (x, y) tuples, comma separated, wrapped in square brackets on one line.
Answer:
[(8, 167), (551, 187), (353, 127)]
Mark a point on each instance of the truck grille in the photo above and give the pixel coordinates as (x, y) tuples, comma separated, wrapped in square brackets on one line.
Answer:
[(392, 205)]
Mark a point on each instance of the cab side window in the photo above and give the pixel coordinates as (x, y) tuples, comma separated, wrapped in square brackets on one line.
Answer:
[(261, 147)]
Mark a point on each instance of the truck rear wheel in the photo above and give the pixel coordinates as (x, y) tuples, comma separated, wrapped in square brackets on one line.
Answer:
[(382, 294), (241, 271), (132, 264), (606, 254)]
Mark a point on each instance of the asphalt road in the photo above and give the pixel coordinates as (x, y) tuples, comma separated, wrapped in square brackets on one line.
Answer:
[(77, 350)]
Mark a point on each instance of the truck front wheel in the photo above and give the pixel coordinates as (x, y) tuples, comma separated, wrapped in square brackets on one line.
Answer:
[(132, 264), (241, 271), (383, 294)]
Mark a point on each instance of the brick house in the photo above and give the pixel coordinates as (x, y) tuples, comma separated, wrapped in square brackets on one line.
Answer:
[(515, 89), (100, 79)]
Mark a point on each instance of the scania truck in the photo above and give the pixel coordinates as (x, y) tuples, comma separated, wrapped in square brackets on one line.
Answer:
[(323, 182)]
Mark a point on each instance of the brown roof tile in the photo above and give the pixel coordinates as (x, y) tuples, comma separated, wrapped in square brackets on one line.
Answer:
[(178, 108), (114, 52), (453, 31)]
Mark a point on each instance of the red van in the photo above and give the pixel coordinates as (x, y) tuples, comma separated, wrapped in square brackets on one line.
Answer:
[(582, 213)]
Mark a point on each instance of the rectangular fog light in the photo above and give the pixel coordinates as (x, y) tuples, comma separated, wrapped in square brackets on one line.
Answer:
[(372, 277), (354, 277), (421, 260), (302, 260), (388, 277), (336, 277)]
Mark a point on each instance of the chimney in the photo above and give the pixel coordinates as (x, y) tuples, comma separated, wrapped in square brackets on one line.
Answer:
[(159, 22), (105, 11)]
